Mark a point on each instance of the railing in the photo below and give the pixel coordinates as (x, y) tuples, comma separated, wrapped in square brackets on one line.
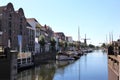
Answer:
[(24, 59), (114, 65)]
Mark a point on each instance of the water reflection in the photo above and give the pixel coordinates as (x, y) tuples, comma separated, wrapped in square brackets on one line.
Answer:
[(44, 71), (90, 67)]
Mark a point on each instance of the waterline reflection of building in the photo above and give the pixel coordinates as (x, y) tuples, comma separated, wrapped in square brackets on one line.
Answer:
[(93, 68), (44, 71)]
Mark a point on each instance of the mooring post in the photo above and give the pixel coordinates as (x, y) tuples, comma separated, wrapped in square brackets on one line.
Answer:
[(8, 64)]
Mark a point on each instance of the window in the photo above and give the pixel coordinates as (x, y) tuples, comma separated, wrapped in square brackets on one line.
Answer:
[(20, 20), (10, 24), (10, 16), (20, 32), (20, 29), (10, 39), (0, 25), (10, 32)]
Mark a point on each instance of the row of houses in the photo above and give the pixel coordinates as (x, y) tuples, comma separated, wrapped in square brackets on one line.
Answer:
[(22, 34)]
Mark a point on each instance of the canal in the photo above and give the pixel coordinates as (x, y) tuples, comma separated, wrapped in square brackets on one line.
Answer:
[(92, 66)]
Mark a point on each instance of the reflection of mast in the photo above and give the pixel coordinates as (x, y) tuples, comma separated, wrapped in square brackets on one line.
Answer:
[(79, 59), (79, 70)]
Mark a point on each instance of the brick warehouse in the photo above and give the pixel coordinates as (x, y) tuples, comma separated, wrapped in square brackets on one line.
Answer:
[(12, 24)]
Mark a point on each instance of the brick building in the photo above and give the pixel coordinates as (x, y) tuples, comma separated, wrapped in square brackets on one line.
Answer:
[(12, 24)]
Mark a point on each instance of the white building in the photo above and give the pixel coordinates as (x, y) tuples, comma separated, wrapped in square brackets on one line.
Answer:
[(36, 26), (56, 37), (31, 37)]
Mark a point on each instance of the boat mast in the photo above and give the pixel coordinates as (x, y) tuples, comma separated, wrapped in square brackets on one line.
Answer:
[(78, 34)]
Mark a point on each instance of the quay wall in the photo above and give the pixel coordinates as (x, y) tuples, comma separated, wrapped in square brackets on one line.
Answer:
[(4, 68), (44, 57), (8, 66)]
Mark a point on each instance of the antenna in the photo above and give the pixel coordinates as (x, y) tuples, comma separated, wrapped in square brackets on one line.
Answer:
[(78, 34), (106, 39), (109, 38), (112, 36)]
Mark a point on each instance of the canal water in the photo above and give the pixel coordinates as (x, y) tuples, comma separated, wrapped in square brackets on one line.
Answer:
[(92, 66)]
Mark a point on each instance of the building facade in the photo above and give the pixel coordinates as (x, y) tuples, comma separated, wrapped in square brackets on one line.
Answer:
[(48, 35), (69, 39), (61, 35), (13, 24), (36, 27), (31, 38), (56, 37)]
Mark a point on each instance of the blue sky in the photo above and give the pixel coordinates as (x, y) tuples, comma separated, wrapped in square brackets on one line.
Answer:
[(96, 18)]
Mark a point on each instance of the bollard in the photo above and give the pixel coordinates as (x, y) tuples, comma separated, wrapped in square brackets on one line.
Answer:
[(8, 65)]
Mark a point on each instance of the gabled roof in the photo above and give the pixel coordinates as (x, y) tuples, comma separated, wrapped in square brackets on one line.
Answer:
[(9, 5), (38, 25), (28, 24), (60, 33), (2, 8), (30, 19)]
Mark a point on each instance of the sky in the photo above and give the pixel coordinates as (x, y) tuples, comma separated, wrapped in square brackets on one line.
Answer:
[(95, 18)]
